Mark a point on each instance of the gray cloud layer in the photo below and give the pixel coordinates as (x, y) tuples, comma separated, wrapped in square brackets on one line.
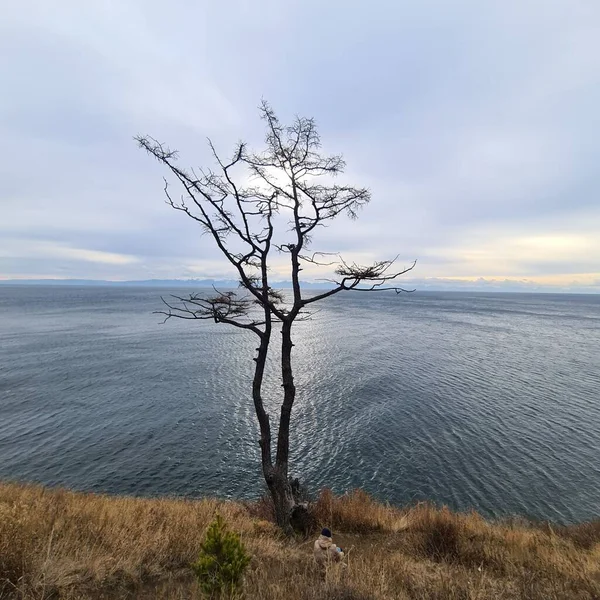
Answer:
[(474, 124)]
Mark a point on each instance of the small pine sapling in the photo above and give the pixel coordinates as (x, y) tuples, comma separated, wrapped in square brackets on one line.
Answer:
[(222, 561)]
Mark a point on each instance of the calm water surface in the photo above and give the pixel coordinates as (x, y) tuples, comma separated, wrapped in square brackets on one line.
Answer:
[(490, 401)]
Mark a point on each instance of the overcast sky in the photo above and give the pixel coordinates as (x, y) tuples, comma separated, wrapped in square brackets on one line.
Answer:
[(474, 123)]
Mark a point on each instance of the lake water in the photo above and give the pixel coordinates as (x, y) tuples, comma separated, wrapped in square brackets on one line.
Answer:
[(485, 401)]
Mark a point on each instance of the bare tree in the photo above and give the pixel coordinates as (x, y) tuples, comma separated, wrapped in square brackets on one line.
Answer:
[(289, 178)]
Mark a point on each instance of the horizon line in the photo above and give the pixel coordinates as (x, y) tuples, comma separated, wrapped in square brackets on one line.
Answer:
[(427, 284)]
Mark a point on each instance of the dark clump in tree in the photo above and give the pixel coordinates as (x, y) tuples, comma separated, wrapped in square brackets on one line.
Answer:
[(291, 178)]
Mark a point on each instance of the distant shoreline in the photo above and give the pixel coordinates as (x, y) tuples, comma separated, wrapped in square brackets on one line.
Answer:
[(492, 287), (202, 283)]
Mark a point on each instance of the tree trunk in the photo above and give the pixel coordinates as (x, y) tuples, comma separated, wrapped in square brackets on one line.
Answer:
[(261, 414), (289, 395), (278, 482), (283, 499)]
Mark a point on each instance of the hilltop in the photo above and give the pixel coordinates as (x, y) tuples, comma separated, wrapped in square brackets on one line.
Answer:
[(60, 544)]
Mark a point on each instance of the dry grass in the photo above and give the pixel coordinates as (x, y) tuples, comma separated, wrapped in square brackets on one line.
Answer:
[(358, 512), (59, 544)]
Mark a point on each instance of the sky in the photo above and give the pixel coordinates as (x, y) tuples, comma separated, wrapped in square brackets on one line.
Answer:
[(474, 124)]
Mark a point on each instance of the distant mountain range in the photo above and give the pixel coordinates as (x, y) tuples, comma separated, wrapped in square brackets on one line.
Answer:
[(167, 283), (422, 285)]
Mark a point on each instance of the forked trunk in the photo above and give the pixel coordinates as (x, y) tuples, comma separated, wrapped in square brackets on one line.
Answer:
[(283, 499), (276, 475), (279, 484)]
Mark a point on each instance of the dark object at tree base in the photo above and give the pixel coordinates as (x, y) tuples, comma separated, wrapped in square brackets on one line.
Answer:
[(302, 521)]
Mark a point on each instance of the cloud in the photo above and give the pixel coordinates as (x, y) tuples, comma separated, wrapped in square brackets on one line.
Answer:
[(473, 124), (20, 249)]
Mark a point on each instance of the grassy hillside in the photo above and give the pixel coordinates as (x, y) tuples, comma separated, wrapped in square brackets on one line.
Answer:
[(59, 544)]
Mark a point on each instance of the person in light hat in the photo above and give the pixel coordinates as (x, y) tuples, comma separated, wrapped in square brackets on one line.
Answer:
[(325, 551)]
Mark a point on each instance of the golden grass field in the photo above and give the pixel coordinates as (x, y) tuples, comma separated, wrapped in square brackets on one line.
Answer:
[(60, 544)]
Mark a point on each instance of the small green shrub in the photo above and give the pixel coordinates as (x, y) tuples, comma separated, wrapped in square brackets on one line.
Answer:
[(222, 561)]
